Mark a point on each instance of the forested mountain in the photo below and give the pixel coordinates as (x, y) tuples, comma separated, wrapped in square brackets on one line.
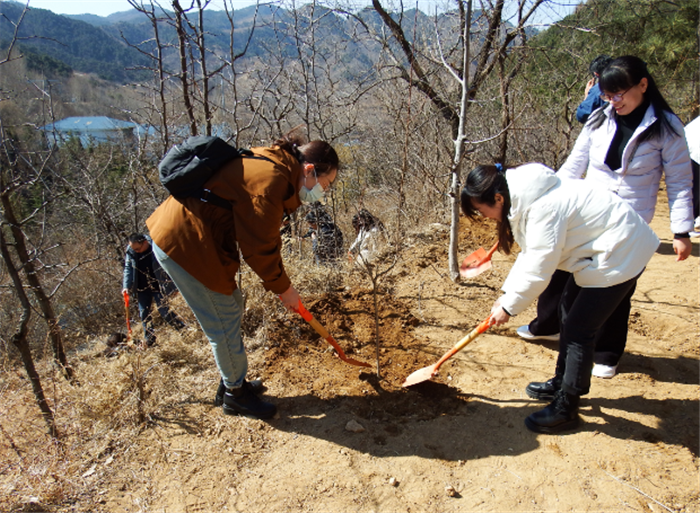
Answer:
[(664, 34), (59, 42), (107, 46)]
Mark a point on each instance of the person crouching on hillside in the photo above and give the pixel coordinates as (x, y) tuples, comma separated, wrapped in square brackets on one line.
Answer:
[(569, 225), (327, 239), (199, 243), (369, 233)]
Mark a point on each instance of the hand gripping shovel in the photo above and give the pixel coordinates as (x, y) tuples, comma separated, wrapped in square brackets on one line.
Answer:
[(322, 331), (428, 372), (478, 262)]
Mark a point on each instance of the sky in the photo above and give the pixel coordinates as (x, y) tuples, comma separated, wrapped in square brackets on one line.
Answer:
[(551, 10)]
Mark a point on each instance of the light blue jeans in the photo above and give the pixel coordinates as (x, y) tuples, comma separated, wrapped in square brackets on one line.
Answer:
[(219, 316)]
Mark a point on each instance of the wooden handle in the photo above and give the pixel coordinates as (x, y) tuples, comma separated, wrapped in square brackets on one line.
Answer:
[(319, 329), (463, 343)]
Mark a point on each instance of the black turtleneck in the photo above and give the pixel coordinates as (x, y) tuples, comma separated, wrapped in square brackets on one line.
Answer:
[(626, 125)]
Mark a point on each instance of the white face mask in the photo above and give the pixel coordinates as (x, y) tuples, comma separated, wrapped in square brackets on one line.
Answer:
[(310, 196)]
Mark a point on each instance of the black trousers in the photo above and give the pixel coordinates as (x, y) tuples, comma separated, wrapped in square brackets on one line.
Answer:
[(611, 338), (584, 313)]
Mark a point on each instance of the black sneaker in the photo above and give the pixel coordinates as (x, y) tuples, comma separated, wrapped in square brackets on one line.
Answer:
[(544, 391), (242, 401), (256, 386), (560, 415)]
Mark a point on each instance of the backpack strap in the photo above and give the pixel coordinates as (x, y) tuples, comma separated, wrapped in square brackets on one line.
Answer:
[(207, 196)]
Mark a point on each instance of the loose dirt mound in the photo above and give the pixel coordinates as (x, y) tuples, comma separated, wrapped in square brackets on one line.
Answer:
[(306, 363)]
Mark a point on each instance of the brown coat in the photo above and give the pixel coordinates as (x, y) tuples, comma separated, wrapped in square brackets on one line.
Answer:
[(205, 239)]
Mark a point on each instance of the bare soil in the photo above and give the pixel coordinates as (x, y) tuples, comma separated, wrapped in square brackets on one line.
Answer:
[(455, 443)]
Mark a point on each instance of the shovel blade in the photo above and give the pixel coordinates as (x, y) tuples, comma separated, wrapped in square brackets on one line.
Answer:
[(420, 376), (471, 272), (355, 362), (473, 258)]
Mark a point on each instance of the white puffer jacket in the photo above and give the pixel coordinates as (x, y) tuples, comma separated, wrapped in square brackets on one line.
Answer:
[(637, 181), (692, 137), (573, 226)]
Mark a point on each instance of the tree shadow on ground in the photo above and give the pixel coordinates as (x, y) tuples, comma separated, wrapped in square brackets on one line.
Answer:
[(433, 421), (447, 425)]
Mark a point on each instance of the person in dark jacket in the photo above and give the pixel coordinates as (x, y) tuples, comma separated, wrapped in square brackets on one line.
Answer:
[(146, 280), (592, 99), (326, 236)]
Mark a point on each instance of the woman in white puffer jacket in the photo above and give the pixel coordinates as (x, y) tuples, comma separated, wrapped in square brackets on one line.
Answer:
[(625, 148), (656, 147), (572, 226)]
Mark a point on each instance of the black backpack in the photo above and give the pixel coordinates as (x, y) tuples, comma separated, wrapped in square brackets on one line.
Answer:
[(186, 167)]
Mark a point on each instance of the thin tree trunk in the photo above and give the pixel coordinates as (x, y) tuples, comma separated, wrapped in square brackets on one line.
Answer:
[(19, 339), (459, 141), (205, 76), (37, 288), (184, 75), (375, 292)]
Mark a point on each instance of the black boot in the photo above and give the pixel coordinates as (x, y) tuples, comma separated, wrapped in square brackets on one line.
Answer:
[(243, 401), (256, 386), (560, 415), (150, 339), (544, 391)]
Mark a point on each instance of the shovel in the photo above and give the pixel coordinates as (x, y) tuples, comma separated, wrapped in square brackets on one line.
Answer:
[(128, 322), (322, 331), (428, 372), (478, 262)]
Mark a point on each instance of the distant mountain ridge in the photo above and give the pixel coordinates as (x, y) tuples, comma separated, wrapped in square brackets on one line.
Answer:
[(79, 45), (94, 44)]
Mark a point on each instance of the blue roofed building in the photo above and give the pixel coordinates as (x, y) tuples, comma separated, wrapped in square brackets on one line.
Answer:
[(94, 130), (90, 131)]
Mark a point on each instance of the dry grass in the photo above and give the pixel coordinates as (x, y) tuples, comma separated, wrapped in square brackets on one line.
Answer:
[(118, 398)]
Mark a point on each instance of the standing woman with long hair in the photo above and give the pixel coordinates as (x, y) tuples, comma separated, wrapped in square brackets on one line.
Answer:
[(625, 148), (199, 243)]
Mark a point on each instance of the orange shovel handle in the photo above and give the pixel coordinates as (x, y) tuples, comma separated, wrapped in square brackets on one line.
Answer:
[(306, 315), (319, 329), (128, 321), (462, 343), (488, 256)]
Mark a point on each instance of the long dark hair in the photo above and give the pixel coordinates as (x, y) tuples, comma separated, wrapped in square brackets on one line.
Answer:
[(363, 219), (483, 183), (624, 73), (319, 153)]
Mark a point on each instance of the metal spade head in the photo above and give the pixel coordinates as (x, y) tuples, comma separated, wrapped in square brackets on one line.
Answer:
[(420, 375), (428, 372), (477, 262)]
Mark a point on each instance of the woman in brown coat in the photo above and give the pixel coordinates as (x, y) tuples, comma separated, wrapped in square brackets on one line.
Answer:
[(199, 244)]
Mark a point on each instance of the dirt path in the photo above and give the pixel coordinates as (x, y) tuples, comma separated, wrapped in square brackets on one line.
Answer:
[(457, 443)]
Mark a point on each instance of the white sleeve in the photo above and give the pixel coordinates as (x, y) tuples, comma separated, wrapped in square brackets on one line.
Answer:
[(679, 181), (545, 236), (577, 162)]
